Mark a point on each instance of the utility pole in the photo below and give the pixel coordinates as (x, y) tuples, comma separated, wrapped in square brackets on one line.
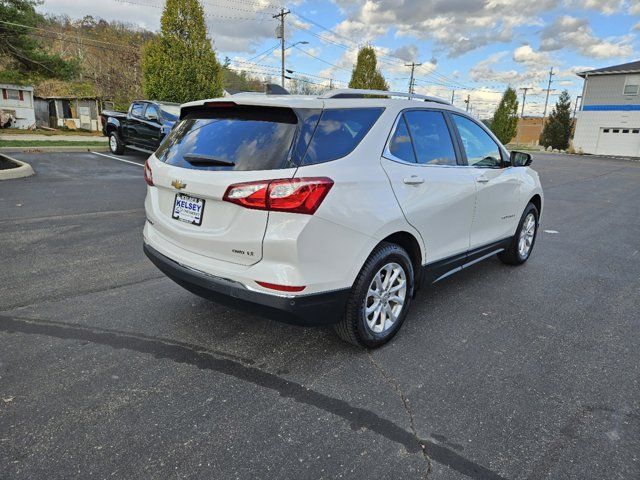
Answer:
[(413, 66), (524, 99), (468, 101), (453, 96), (331, 84), (280, 35), (546, 102)]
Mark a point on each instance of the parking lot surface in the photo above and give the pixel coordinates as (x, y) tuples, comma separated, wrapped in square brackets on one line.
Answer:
[(110, 370)]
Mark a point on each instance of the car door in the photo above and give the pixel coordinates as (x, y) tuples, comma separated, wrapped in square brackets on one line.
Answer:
[(134, 125), (435, 192), (150, 128), (497, 183)]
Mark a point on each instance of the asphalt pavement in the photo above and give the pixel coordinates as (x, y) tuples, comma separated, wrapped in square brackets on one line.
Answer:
[(110, 370)]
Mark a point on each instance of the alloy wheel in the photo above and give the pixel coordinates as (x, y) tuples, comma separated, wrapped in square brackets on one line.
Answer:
[(386, 297), (527, 234)]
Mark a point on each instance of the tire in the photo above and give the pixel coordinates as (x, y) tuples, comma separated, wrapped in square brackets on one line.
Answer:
[(355, 327), (513, 255), (115, 144)]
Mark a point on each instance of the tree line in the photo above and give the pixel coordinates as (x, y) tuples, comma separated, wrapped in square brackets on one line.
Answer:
[(116, 61)]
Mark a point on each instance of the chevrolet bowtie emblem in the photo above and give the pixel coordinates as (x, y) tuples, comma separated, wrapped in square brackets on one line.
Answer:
[(178, 184)]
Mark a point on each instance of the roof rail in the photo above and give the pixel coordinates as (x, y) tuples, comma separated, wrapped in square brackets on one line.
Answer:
[(361, 93)]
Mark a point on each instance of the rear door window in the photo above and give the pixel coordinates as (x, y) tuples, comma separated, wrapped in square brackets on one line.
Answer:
[(137, 109), (431, 137), (339, 132), (231, 138), (400, 145)]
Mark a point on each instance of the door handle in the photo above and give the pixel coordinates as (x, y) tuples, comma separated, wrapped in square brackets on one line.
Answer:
[(413, 180), (482, 179)]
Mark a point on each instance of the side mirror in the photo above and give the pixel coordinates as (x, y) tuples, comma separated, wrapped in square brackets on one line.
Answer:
[(520, 159)]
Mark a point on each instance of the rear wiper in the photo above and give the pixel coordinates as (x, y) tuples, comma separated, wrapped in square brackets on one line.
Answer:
[(206, 160)]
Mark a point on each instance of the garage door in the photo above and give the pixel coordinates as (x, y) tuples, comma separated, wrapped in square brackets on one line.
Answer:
[(619, 141)]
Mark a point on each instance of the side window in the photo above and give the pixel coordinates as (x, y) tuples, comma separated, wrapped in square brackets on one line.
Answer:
[(431, 137), (339, 132), (480, 148), (400, 145), (151, 113), (136, 109)]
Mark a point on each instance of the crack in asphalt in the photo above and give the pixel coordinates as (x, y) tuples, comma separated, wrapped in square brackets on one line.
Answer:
[(407, 407), (220, 362)]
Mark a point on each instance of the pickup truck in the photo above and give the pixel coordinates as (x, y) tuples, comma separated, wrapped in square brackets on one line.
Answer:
[(142, 128)]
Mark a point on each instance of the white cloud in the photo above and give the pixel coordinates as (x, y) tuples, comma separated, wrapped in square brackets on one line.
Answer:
[(608, 7), (634, 9), (528, 56), (457, 26), (576, 33)]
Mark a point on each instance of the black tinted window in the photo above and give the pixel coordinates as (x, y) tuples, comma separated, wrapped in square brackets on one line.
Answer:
[(136, 109), (245, 138), (400, 144), (431, 137), (480, 148), (151, 112), (339, 131)]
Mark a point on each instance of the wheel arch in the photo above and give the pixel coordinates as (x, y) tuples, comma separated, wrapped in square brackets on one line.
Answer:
[(537, 201), (412, 246)]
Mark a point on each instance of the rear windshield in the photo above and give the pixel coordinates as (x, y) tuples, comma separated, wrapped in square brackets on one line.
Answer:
[(231, 138), (264, 138)]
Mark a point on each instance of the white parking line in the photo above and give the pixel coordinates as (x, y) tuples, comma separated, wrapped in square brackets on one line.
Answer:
[(119, 159)]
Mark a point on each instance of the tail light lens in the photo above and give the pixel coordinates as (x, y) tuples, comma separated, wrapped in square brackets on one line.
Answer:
[(294, 195), (148, 175)]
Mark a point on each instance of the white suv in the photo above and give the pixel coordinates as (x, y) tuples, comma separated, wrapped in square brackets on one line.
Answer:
[(333, 209)]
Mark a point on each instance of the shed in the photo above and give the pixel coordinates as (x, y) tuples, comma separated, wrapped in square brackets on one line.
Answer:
[(70, 112)]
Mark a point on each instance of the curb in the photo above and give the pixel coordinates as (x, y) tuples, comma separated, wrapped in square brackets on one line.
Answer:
[(24, 170), (52, 149)]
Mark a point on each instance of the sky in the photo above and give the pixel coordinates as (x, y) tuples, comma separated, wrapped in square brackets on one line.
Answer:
[(468, 48)]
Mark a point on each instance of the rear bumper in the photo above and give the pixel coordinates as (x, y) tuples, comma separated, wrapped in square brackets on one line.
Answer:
[(314, 309)]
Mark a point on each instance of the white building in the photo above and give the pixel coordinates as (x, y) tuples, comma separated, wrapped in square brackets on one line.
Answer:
[(608, 122), (18, 101)]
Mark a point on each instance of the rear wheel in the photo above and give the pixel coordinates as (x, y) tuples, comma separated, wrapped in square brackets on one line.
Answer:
[(379, 299), (115, 144), (521, 245)]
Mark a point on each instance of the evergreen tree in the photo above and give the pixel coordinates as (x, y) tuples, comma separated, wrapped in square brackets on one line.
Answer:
[(22, 56), (180, 65), (505, 119), (557, 128), (366, 74)]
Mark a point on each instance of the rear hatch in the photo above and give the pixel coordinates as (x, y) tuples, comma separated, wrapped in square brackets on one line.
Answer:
[(210, 148)]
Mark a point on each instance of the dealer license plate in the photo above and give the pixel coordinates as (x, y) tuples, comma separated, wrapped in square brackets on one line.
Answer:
[(188, 209)]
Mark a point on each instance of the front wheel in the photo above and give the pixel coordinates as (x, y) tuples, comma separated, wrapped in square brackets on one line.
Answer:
[(115, 144), (379, 299), (521, 245)]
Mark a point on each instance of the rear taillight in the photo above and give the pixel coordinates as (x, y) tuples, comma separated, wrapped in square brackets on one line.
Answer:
[(295, 195), (148, 175)]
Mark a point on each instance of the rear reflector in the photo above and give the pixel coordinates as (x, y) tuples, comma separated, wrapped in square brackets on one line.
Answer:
[(294, 195), (148, 175), (281, 288)]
